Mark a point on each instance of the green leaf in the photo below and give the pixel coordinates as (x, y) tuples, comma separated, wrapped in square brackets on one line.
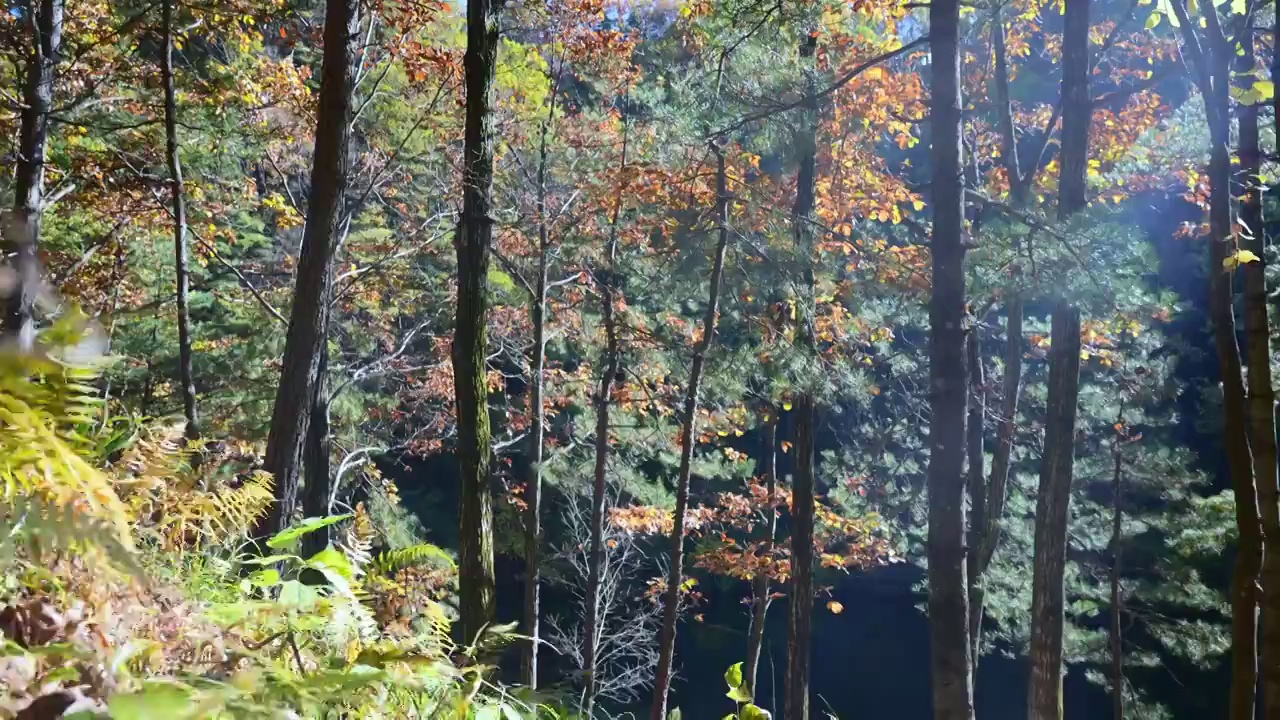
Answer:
[(267, 577), (733, 675), (297, 594), (158, 700), (290, 536), (1153, 20), (674, 714), (332, 559), (739, 694), (752, 712)]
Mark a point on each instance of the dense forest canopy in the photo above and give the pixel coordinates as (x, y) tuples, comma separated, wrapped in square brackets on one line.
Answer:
[(559, 358)]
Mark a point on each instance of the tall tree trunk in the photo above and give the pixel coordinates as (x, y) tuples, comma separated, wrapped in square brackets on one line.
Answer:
[(537, 384), (800, 602), (1004, 111), (1211, 72), (988, 505), (799, 629), (1115, 639), (1053, 501), (947, 545), (688, 429), (533, 484), (186, 379), (1077, 109), (1261, 395), (475, 233), (44, 18), (309, 316), (989, 510), (760, 591), (1044, 692), (977, 488), (316, 459), (610, 367), (604, 396)]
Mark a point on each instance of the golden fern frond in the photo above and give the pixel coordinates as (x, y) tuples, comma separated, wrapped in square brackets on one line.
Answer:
[(357, 542), (37, 461), (413, 556), (33, 527), (156, 453), (189, 516)]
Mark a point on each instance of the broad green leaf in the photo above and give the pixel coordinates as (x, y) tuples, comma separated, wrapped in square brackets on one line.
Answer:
[(267, 577), (297, 594), (158, 700), (733, 675), (289, 537), (739, 694), (332, 559), (752, 712)]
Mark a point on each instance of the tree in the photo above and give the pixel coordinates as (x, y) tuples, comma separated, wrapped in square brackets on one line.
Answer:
[(178, 198), (800, 620), (1044, 692), (44, 22), (309, 316), (1211, 71), (610, 369), (470, 357), (761, 590), (688, 428), (948, 591), (1257, 332)]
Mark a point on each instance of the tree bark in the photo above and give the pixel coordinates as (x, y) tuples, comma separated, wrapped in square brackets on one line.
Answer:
[(309, 316), (45, 20), (800, 604), (1077, 109), (1044, 692), (1115, 639), (950, 648), (1211, 72), (760, 591), (977, 491), (185, 376), (1261, 395), (604, 396), (472, 243), (537, 382), (689, 420), (316, 459), (1004, 112)]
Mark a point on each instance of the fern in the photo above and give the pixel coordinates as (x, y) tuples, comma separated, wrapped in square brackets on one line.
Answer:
[(30, 527), (422, 554), (43, 407)]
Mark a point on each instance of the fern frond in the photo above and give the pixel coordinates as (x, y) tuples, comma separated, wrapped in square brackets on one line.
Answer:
[(35, 460), (243, 506), (32, 527), (357, 541), (422, 554)]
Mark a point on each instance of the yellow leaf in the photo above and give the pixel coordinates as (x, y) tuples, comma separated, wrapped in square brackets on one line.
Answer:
[(1240, 258), (918, 205), (835, 607)]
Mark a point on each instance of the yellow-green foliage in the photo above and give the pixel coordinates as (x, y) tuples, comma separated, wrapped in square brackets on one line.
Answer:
[(198, 628)]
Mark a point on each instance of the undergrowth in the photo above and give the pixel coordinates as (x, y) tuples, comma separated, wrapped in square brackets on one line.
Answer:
[(130, 589)]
